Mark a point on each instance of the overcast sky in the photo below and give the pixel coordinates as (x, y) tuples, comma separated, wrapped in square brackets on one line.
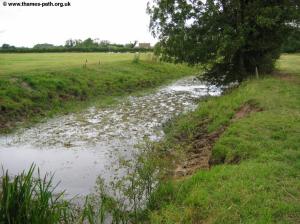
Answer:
[(119, 21)]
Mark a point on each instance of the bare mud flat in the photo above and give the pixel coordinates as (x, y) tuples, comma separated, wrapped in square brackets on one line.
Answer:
[(79, 147)]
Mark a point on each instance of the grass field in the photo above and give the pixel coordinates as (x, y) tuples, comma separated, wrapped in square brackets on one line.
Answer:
[(40, 85), (255, 177), (20, 63), (289, 63)]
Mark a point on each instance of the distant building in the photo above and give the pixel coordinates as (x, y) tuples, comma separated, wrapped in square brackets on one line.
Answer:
[(145, 45)]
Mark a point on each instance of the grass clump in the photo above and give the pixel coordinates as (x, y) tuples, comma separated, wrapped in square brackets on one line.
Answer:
[(125, 199), (136, 58), (26, 200)]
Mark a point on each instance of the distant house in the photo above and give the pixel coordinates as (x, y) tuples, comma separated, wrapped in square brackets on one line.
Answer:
[(145, 45)]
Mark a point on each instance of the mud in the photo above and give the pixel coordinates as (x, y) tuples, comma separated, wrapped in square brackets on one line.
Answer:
[(199, 156)]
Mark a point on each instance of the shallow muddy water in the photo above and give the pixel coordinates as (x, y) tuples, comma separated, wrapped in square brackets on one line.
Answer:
[(81, 146)]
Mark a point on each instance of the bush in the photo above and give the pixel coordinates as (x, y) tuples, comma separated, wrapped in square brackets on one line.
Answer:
[(292, 43), (136, 58)]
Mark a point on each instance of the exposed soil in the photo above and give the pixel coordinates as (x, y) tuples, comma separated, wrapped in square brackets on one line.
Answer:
[(286, 77), (199, 155), (25, 85), (244, 111)]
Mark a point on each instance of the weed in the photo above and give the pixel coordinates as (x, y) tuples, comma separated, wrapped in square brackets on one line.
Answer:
[(136, 58), (26, 200)]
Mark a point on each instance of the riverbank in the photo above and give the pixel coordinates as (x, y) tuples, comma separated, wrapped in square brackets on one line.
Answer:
[(91, 141), (241, 155), (250, 139), (35, 86)]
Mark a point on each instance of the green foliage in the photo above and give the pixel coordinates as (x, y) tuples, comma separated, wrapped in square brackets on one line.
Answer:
[(136, 58), (43, 46), (292, 43), (230, 38), (77, 45), (125, 198), (7, 47), (25, 200), (131, 45)]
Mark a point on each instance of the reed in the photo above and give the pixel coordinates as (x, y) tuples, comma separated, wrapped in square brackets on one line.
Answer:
[(25, 199)]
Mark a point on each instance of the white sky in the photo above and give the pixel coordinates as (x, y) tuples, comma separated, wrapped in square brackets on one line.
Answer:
[(119, 21)]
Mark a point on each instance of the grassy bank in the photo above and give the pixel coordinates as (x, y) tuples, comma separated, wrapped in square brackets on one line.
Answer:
[(39, 85), (255, 163), (255, 173)]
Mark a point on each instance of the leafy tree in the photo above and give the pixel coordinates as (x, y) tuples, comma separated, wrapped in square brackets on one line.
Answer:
[(292, 43), (104, 43), (70, 43), (232, 38), (89, 43), (78, 42), (7, 46), (43, 46), (131, 45)]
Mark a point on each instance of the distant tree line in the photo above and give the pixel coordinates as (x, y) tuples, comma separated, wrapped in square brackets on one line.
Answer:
[(76, 45)]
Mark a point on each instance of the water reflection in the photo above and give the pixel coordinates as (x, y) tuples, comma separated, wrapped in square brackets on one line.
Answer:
[(80, 146)]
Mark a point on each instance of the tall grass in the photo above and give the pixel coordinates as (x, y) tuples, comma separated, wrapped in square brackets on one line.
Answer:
[(136, 58), (25, 199), (125, 199)]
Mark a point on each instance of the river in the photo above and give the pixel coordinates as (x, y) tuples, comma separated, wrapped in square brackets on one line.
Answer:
[(79, 147)]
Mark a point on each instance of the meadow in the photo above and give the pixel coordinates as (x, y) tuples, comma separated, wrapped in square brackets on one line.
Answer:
[(38, 85), (255, 170), (20, 63)]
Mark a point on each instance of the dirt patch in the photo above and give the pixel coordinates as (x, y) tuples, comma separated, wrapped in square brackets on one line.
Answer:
[(287, 77), (26, 86), (199, 155), (244, 111), (4, 125)]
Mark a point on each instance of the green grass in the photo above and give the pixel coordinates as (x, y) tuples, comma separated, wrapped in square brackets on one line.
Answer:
[(40, 85), (24, 199), (20, 63), (264, 186), (290, 63)]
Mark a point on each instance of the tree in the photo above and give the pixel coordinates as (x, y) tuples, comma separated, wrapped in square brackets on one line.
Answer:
[(231, 38), (104, 43), (43, 46), (7, 46), (292, 43), (131, 45), (78, 42), (70, 43), (89, 43)]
